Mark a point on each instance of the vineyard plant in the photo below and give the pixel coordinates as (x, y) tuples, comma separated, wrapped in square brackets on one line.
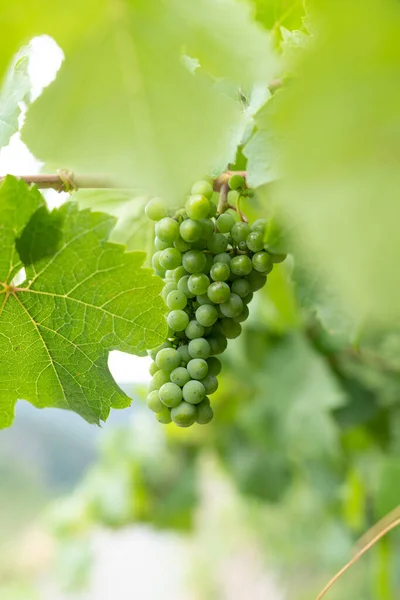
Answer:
[(229, 176)]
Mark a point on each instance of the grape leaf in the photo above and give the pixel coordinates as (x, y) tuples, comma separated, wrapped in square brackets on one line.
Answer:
[(15, 89), (57, 327), (153, 124)]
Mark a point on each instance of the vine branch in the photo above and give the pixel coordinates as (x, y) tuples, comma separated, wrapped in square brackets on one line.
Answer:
[(65, 180)]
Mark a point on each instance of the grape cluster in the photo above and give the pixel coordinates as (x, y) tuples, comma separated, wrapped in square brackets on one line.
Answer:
[(212, 264)]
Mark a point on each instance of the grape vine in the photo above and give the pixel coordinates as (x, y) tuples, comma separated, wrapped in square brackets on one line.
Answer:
[(212, 261)]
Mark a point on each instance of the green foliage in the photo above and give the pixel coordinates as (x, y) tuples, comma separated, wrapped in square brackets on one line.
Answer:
[(15, 89), (74, 306)]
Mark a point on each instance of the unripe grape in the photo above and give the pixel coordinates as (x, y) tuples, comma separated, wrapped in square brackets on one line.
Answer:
[(208, 228), (204, 188), (223, 257), (198, 283), (199, 348), (178, 273), (204, 412), (178, 320), (155, 209), (236, 182), (159, 378), (194, 330), (190, 230), (160, 245), (153, 401), (255, 241), (203, 299), (240, 231), (180, 376), (184, 415), (206, 315), (219, 292), (153, 353), (214, 366), (219, 272), (256, 280), (168, 287), (176, 300), (153, 368), (225, 222), (167, 229), (230, 328), (213, 210), (210, 384), (217, 243), (217, 343), (181, 245), (183, 286), (194, 261), (170, 258), (197, 368), (277, 258), (241, 287), (170, 394), (262, 262), (240, 265), (193, 392), (197, 207), (183, 352), (243, 315), (164, 416), (168, 359), (233, 307)]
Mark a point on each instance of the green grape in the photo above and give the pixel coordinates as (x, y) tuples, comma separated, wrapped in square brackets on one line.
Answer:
[(243, 315), (225, 222), (213, 210), (198, 368), (236, 182), (199, 348), (170, 258), (154, 402), (184, 415), (233, 307), (159, 378), (184, 353), (241, 287), (198, 283), (168, 287), (219, 272), (208, 330), (260, 225), (217, 342), (155, 209), (255, 241), (181, 245), (214, 366), (204, 188), (222, 258), (262, 262), (217, 243), (167, 229), (219, 292), (209, 263), (183, 286), (194, 261), (168, 359), (153, 353), (204, 412), (170, 394), (230, 328), (208, 228), (240, 231), (180, 376), (178, 320), (276, 258), (155, 261), (240, 265), (160, 245), (203, 299), (179, 272), (169, 274), (206, 315), (210, 384), (190, 231), (164, 416), (242, 246), (176, 300), (194, 330), (201, 244), (193, 392), (197, 207), (256, 280), (153, 369), (247, 299)]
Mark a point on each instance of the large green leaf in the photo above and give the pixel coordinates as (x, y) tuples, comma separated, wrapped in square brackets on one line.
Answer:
[(125, 105), (341, 126), (87, 298)]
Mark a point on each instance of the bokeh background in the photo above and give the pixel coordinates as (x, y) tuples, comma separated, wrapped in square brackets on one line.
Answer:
[(267, 501)]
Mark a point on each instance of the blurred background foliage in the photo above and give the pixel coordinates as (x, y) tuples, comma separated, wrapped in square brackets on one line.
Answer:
[(303, 455)]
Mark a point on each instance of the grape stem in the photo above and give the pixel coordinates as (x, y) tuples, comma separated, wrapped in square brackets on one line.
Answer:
[(65, 180)]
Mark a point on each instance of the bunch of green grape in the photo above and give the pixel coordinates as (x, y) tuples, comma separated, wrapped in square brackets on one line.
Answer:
[(212, 264)]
